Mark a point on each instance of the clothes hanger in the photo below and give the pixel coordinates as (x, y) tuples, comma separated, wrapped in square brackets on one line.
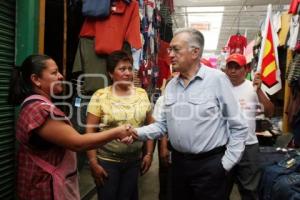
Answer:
[(238, 26)]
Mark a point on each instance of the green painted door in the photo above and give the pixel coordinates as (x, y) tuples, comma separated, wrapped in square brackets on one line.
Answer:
[(7, 141)]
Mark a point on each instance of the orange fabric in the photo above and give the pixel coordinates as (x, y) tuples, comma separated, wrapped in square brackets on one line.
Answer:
[(122, 25)]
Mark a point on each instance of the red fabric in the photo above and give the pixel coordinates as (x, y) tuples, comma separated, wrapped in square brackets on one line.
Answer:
[(294, 6), (170, 5), (164, 71), (163, 62), (64, 176), (238, 58), (206, 62), (32, 181), (162, 52), (122, 25), (237, 44)]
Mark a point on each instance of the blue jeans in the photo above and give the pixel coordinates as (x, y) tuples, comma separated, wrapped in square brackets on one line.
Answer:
[(287, 187), (122, 182), (272, 174)]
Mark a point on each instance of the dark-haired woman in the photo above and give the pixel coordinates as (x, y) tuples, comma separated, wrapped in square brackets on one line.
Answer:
[(46, 166), (116, 166)]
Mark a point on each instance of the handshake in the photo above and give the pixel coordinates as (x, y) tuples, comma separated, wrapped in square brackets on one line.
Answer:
[(126, 134)]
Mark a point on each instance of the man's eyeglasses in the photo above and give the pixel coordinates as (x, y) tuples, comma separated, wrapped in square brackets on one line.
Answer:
[(176, 50)]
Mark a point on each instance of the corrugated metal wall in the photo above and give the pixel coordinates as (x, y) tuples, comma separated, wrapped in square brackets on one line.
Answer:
[(7, 141)]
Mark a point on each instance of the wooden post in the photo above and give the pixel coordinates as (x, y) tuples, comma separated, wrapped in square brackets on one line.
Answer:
[(41, 36), (287, 92), (65, 40)]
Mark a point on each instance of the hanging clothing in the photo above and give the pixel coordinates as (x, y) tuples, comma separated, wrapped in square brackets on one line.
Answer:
[(293, 33), (276, 22), (294, 6), (237, 43), (166, 31), (92, 66), (285, 21), (137, 56), (162, 51), (122, 25), (164, 72), (293, 72)]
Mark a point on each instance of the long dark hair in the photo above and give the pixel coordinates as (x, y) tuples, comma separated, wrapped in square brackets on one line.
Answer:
[(21, 85)]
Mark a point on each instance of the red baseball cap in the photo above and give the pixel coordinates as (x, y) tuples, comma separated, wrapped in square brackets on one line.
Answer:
[(237, 58)]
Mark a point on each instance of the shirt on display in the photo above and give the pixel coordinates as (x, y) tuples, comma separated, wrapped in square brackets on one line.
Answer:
[(237, 43)]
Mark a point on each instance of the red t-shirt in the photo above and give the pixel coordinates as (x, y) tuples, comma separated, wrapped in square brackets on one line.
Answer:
[(123, 24)]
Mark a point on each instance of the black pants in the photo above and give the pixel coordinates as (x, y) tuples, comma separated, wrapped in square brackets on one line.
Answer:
[(164, 182), (200, 178), (246, 174)]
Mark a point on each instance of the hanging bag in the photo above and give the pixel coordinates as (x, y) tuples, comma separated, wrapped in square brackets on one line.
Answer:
[(96, 8)]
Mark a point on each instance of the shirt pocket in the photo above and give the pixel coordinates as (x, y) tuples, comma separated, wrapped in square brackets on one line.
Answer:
[(170, 101), (204, 108), (169, 108)]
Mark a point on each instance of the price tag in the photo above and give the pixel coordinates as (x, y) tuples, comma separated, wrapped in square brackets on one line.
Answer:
[(77, 102)]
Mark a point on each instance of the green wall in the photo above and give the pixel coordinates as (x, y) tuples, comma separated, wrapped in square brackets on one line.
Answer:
[(27, 21)]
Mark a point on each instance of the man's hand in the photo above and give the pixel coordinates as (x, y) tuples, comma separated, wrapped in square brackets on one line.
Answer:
[(131, 135), (124, 131), (164, 155), (257, 80), (134, 135)]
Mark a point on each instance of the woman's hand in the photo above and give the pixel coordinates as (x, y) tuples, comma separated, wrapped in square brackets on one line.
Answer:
[(124, 131), (98, 173), (127, 140), (146, 163)]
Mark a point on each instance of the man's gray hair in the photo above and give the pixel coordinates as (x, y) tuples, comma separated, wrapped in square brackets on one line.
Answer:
[(196, 39)]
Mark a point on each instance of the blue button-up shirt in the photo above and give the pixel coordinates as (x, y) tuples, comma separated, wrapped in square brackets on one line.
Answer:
[(201, 116)]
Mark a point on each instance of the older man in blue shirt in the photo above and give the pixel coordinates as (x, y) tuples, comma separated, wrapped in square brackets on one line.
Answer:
[(206, 129)]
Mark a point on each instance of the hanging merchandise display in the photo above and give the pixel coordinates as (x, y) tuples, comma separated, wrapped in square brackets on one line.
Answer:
[(123, 24), (142, 28), (293, 33), (206, 62), (164, 72), (283, 33), (237, 43), (156, 28), (249, 51), (163, 63), (294, 6), (96, 8)]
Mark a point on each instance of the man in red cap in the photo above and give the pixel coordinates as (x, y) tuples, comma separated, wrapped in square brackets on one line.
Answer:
[(246, 173)]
